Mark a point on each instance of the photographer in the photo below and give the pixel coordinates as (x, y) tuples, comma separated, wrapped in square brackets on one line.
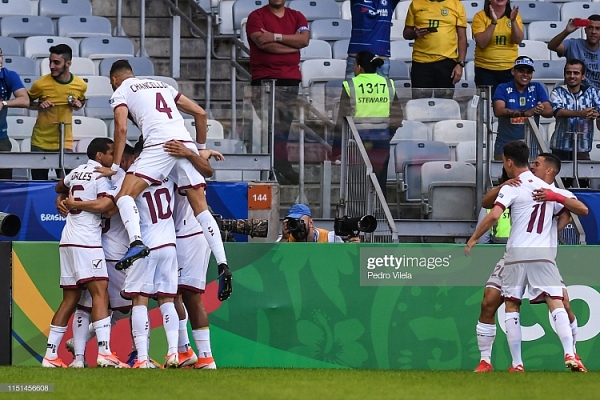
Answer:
[(298, 227)]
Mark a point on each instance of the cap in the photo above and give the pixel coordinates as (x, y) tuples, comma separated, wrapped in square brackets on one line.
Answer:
[(298, 210), (524, 62)]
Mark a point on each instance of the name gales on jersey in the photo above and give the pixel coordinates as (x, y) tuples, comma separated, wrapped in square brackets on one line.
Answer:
[(148, 85), (82, 176), (373, 99)]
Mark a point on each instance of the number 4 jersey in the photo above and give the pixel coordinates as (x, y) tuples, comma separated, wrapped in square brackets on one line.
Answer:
[(152, 106), (531, 237), (155, 205)]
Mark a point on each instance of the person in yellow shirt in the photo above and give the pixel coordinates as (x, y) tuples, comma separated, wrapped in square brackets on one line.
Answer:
[(439, 29), (57, 94), (498, 30)]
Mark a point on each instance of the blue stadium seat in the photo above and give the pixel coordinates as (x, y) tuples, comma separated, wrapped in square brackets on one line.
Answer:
[(25, 26), (60, 8), (10, 46)]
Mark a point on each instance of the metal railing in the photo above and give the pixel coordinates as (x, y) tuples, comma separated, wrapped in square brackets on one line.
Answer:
[(360, 193)]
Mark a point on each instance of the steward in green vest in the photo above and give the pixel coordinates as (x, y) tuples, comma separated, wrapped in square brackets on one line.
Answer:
[(371, 101)]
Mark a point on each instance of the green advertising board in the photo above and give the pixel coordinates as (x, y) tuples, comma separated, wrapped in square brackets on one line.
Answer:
[(308, 305)]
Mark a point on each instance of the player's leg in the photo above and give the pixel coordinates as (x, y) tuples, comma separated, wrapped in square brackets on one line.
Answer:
[(200, 328), (171, 325), (187, 357), (140, 327), (81, 323), (165, 286), (486, 327), (58, 327), (514, 279), (572, 319)]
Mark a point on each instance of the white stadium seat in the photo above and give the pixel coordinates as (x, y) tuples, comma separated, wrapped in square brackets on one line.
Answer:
[(88, 127), (79, 66)]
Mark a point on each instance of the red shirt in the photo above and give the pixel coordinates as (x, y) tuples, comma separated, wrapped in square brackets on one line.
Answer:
[(269, 65)]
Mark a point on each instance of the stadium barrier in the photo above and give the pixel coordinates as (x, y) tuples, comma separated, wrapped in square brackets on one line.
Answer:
[(316, 306)]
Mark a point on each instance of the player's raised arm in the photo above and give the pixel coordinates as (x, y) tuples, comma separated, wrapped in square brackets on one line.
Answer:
[(120, 113), (190, 107), (484, 227)]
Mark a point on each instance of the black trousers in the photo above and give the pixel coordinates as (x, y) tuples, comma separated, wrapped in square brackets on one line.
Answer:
[(434, 75)]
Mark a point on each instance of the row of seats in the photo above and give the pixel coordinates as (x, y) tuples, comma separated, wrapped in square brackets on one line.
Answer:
[(46, 8), (73, 26), (91, 47)]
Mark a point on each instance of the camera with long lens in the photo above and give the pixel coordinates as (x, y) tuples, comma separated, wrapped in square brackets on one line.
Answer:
[(297, 228), (351, 226), (10, 224), (250, 227)]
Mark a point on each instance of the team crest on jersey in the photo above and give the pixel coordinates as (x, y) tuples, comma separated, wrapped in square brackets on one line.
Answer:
[(509, 23), (445, 12)]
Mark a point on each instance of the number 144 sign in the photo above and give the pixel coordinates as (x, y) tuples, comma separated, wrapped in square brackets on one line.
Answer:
[(259, 197)]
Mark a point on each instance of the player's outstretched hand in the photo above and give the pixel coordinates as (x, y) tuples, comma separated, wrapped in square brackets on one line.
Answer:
[(208, 153), (512, 182), (60, 205), (177, 149), (470, 243), (548, 195), (104, 171)]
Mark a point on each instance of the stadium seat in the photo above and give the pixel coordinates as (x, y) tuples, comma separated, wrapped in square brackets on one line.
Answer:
[(98, 107), (472, 7), (398, 70), (81, 145), (21, 65), (402, 84), (316, 49), (10, 46), (60, 8), (465, 84), (340, 49), (452, 132), (15, 148), (330, 29), (408, 130), (133, 132), (470, 50), (28, 80), (549, 130), (550, 73), (102, 47), (79, 66), (166, 79), (469, 73), (79, 27), (26, 26), (226, 146), (97, 86), (466, 151), (17, 112), (397, 30), (15, 7), (25, 145), (448, 190), (140, 65), (316, 9), (226, 17), (215, 129), (537, 11), (244, 39), (595, 153), (534, 49), (20, 127), (401, 50), (431, 110), (88, 127), (346, 10), (544, 31), (242, 8), (578, 9), (37, 47), (410, 155), (333, 94), (315, 73), (401, 10)]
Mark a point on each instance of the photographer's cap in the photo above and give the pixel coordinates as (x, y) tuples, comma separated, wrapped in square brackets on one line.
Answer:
[(298, 211), (524, 61)]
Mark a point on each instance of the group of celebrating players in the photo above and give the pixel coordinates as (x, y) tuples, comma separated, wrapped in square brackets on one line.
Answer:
[(153, 191)]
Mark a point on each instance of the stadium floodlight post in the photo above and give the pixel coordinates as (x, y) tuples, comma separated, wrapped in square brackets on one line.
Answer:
[(142, 51)]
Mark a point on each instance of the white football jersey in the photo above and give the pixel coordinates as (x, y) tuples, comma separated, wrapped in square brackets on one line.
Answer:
[(84, 228), (115, 240), (186, 223), (532, 233), (152, 106), (155, 205), (569, 195)]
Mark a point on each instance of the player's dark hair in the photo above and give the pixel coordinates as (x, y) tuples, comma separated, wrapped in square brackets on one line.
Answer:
[(120, 66), (575, 61), (139, 146), (551, 160), (507, 9), (368, 61), (128, 150), (98, 145), (63, 50), (518, 152), (504, 176), (594, 17)]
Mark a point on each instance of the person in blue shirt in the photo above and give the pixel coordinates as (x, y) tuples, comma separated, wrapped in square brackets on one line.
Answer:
[(371, 28), (517, 100), (10, 84)]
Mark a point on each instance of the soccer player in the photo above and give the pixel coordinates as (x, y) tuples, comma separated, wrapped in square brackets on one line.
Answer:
[(153, 106), (193, 255), (546, 166), (529, 257), (82, 262)]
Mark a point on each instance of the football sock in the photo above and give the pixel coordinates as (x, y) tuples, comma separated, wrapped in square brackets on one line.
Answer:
[(184, 340), (171, 324), (102, 328), (81, 323), (91, 332), (139, 328), (202, 338), (485, 339), (574, 333), (130, 217), (514, 336), (563, 330), (212, 234), (54, 337)]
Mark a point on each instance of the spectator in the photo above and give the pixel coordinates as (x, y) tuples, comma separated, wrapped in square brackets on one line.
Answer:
[(10, 82), (277, 33), (306, 230), (586, 49), (377, 113), (498, 30), (371, 25), (575, 109), (439, 29), (58, 94), (517, 100)]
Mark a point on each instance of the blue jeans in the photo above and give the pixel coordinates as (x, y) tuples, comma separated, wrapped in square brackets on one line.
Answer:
[(384, 70)]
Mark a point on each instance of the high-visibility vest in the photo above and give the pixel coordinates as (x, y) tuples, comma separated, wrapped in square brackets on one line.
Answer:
[(500, 231), (371, 98), (322, 238)]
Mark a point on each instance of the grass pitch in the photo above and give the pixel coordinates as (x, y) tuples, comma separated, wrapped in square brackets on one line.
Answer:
[(303, 384)]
